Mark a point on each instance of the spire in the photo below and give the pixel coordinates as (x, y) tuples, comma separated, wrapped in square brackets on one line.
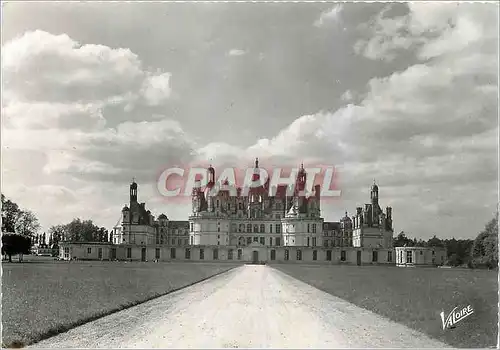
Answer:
[(256, 162)]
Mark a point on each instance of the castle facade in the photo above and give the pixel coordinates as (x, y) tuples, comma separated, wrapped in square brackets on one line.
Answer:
[(260, 219), (257, 225)]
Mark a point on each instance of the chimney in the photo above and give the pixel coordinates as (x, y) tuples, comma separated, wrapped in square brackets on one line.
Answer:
[(388, 212), (317, 192)]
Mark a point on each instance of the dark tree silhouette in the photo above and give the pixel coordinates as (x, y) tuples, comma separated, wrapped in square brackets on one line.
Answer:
[(13, 244)]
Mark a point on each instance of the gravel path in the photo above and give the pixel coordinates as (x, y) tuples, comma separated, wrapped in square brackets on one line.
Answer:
[(247, 307)]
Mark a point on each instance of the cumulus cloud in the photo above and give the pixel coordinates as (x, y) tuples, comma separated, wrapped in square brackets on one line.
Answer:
[(64, 110), (332, 14), (236, 52), (156, 88), (432, 30), (50, 80), (347, 96)]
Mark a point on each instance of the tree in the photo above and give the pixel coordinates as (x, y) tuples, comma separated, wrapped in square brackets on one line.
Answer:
[(27, 224), (458, 251), (453, 260), (58, 233), (82, 231), (13, 244), (435, 242), (401, 240), (101, 235), (10, 214), (485, 247)]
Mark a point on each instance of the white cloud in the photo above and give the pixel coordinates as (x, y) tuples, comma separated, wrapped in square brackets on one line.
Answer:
[(236, 52), (156, 89), (347, 96), (433, 29), (53, 81), (332, 14)]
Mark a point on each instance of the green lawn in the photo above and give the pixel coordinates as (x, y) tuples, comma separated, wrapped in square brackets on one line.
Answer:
[(43, 297), (415, 297)]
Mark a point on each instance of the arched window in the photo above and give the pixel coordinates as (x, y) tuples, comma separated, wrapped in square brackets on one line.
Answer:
[(262, 228), (241, 241), (249, 228), (255, 228)]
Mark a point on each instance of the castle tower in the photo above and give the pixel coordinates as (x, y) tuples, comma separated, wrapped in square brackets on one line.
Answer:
[(196, 195), (255, 192), (374, 194), (133, 192), (209, 193), (374, 204), (211, 176), (301, 180)]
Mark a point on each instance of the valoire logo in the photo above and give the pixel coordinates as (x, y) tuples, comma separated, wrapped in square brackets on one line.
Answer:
[(456, 316)]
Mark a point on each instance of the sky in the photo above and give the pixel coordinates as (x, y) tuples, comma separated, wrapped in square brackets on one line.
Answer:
[(95, 94)]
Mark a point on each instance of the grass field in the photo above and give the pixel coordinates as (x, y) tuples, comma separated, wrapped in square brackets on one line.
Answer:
[(43, 297), (415, 297)]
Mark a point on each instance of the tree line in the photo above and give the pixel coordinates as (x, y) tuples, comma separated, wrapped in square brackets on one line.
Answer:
[(20, 231), (79, 231), (481, 252)]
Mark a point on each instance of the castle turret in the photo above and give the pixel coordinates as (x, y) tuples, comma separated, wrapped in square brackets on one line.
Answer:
[(133, 192), (388, 221), (125, 215), (301, 181), (374, 193), (211, 176)]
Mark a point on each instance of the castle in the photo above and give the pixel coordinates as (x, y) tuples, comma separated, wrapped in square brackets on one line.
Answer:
[(291, 221), (258, 225)]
